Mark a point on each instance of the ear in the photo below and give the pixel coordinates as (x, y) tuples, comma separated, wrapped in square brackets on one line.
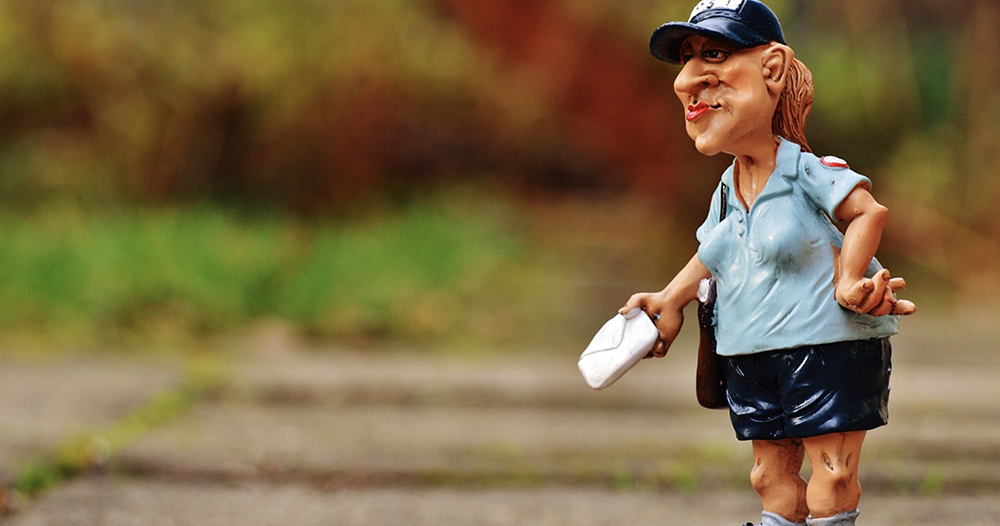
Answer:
[(776, 60)]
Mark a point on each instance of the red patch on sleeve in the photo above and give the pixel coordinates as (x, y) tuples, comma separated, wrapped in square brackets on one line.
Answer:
[(833, 162)]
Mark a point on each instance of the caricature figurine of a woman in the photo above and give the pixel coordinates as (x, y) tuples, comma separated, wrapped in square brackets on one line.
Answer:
[(804, 313)]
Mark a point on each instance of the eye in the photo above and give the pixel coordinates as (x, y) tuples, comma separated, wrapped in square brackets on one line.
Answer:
[(715, 55), (686, 52)]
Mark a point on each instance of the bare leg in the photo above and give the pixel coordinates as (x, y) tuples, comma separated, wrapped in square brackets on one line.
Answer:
[(775, 476), (834, 487)]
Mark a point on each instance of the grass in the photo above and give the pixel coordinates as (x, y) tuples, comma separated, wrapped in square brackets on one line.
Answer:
[(74, 278), (85, 451), (80, 454), (456, 268)]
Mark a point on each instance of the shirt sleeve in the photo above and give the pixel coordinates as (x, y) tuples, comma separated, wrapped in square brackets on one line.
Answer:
[(826, 186)]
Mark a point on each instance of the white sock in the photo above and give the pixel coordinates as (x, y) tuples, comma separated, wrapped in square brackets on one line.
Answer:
[(773, 519), (846, 518)]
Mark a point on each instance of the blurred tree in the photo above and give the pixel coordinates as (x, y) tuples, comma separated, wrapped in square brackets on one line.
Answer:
[(302, 104), (311, 104), (605, 93)]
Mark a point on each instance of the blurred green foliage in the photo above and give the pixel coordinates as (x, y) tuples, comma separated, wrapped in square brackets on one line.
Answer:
[(202, 165), (312, 105), (117, 278)]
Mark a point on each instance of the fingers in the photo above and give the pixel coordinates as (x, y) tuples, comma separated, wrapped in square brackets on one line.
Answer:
[(876, 296), (636, 301), (858, 293), (869, 294), (886, 305), (658, 351), (890, 305), (642, 301), (904, 308), (901, 307), (898, 307), (879, 294)]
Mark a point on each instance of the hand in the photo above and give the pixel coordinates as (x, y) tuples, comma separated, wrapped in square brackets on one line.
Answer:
[(874, 296), (668, 321)]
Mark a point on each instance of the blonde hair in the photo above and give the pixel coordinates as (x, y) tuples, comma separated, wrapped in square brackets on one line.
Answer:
[(793, 105)]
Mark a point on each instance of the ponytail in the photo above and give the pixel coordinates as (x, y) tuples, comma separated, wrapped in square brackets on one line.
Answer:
[(793, 105)]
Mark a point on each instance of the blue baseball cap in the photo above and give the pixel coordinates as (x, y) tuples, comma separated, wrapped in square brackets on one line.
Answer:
[(741, 23)]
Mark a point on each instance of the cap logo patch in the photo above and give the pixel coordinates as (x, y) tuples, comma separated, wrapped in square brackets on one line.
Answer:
[(705, 5), (833, 162)]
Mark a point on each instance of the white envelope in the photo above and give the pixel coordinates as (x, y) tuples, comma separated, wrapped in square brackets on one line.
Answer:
[(620, 344)]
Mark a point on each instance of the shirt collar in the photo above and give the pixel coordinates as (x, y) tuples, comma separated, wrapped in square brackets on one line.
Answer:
[(786, 170), (788, 160)]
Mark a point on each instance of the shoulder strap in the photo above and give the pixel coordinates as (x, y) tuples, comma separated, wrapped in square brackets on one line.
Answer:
[(723, 202)]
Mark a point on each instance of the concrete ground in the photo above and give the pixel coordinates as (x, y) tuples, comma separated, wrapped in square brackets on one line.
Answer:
[(387, 438)]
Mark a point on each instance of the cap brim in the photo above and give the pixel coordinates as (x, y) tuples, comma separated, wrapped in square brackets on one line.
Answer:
[(665, 44)]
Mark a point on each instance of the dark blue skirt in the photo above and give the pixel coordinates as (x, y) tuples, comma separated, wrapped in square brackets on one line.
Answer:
[(810, 391)]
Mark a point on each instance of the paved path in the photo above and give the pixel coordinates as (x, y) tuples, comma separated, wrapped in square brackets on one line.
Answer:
[(338, 438), (46, 404)]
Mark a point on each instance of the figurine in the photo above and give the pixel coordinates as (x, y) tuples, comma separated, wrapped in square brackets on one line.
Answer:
[(804, 313)]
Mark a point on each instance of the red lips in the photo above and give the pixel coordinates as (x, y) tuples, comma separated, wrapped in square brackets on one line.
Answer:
[(697, 110)]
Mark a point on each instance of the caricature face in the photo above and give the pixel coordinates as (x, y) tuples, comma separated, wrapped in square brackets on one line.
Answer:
[(724, 92)]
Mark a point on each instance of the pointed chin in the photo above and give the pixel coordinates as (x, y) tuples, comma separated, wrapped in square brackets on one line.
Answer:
[(707, 148), (705, 141)]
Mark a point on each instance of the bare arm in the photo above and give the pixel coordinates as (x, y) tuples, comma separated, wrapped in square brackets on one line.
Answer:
[(854, 291), (666, 307)]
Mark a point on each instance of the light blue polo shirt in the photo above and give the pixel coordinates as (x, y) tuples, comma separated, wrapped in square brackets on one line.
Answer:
[(774, 263)]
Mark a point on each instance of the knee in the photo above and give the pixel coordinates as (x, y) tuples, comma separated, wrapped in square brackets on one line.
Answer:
[(838, 481), (836, 473), (759, 478), (767, 478)]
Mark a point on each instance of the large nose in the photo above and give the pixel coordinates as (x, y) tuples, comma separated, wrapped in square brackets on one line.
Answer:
[(693, 78)]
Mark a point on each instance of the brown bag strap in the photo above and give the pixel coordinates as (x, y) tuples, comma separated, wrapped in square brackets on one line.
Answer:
[(723, 202), (710, 380)]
